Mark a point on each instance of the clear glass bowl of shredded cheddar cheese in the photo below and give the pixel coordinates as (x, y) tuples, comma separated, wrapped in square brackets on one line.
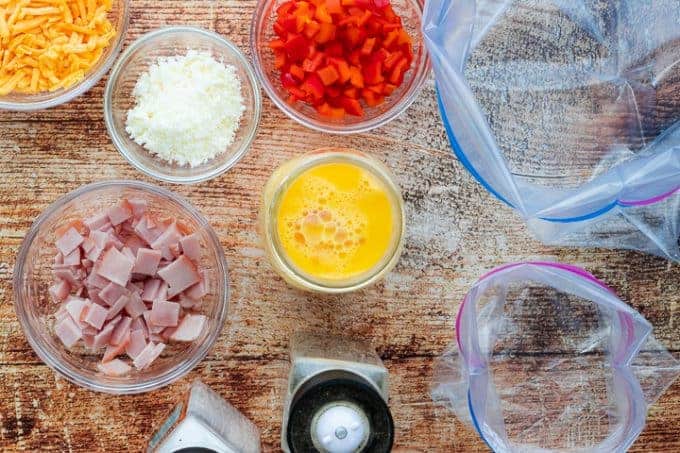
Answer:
[(54, 51), (182, 104)]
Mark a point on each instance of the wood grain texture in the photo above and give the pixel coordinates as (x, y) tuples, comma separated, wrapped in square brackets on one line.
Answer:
[(456, 231)]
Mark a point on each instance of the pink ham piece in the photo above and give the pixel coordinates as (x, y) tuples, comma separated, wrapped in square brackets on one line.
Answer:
[(135, 307), (162, 293), (112, 292), (169, 237), (134, 243), (114, 351), (114, 368), (191, 247), (164, 313), (120, 213), (127, 252), (104, 336), (146, 262), (138, 205), (117, 307), (190, 328), (136, 344), (200, 289), (96, 221), (150, 352), (67, 331), (73, 258), (121, 331), (116, 267), (179, 275), (147, 230), (151, 327), (151, 289), (67, 275), (75, 306), (59, 291), (69, 241), (95, 316)]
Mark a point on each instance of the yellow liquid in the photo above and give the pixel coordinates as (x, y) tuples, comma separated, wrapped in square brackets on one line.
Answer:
[(335, 221)]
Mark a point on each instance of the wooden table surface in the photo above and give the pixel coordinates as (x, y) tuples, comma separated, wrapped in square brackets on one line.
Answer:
[(456, 232)]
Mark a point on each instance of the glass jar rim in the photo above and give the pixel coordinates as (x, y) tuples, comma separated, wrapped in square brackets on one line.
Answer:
[(376, 168)]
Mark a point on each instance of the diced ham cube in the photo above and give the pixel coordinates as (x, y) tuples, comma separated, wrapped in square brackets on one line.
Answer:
[(134, 243), (138, 205), (127, 252), (140, 324), (99, 239), (67, 275), (96, 315), (88, 244), (114, 368), (186, 302), (89, 330), (61, 313), (75, 307), (117, 306), (103, 337), (121, 330), (94, 280), (151, 289), (69, 241), (113, 351), (179, 275), (146, 230), (170, 236), (96, 221), (68, 332), (162, 292), (146, 356), (136, 345), (191, 247), (73, 258), (190, 328), (59, 291), (119, 213), (135, 307), (151, 327), (200, 289), (164, 313), (116, 267), (146, 262), (59, 258), (88, 341), (112, 292)]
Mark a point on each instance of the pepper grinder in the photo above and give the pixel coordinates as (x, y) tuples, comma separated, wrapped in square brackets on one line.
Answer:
[(336, 398), (203, 422)]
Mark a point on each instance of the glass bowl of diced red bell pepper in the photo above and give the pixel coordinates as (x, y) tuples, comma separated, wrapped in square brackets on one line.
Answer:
[(340, 66), (38, 309)]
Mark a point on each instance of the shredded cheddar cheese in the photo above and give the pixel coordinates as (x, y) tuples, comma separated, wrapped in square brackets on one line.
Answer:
[(46, 45)]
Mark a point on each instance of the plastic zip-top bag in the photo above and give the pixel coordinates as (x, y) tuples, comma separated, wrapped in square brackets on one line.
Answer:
[(548, 358), (568, 111)]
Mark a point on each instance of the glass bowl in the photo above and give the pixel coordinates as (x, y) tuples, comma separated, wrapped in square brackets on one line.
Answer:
[(35, 310), (23, 102), (276, 187), (262, 32), (136, 60)]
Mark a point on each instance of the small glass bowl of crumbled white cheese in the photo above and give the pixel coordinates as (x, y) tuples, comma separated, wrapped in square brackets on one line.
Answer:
[(182, 104)]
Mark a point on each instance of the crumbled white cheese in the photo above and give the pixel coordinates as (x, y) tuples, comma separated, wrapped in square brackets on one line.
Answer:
[(188, 108)]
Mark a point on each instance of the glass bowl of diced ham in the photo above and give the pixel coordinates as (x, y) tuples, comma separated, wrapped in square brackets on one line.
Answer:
[(121, 287)]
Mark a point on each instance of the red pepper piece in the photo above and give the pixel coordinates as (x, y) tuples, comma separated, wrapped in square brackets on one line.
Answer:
[(335, 50), (328, 75), (342, 67), (397, 74), (334, 7), (354, 36), (356, 77), (322, 14), (312, 64), (367, 48), (311, 28), (279, 59), (371, 99), (285, 8), (276, 44), (392, 60), (280, 31), (352, 92), (297, 92), (326, 33), (372, 72), (297, 72), (287, 80), (389, 89), (313, 86), (297, 47), (352, 106)]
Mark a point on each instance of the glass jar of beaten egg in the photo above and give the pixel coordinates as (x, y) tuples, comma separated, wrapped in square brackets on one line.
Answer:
[(332, 220)]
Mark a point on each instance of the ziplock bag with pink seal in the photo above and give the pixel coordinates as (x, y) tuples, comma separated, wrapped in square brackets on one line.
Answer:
[(568, 111), (548, 358)]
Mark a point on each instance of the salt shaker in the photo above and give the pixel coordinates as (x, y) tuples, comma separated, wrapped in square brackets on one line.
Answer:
[(203, 422), (336, 398)]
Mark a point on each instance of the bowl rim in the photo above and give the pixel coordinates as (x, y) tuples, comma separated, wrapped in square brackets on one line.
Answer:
[(339, 129), (76, 377), (87, 83), (115, 136)]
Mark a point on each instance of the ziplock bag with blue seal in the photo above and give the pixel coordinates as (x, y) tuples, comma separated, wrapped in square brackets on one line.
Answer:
[(568, 111), (548, 358)]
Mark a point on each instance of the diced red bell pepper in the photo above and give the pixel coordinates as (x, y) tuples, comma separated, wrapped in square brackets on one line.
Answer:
[(372, 72), (361, 20), (326, 33), (403, 38), (355, 57), (276, 44), (367, 48), (397, 74), (352, 92), (313, 86), (287, 80), (280, 31), (392, 59), (334, 7), (297, 72), (371, 99), (322, 14), (335, 50), (285, 8), (342, 67), (311, 28), (390, 39), (389, 89), (352, 106), (279, 59), (311, 65), (381, 3), (328, 75), (356, 77), (354, 36), (332, 94), (297, 92), (297, 48), (377, 89), (332, 112), (290, 24)]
